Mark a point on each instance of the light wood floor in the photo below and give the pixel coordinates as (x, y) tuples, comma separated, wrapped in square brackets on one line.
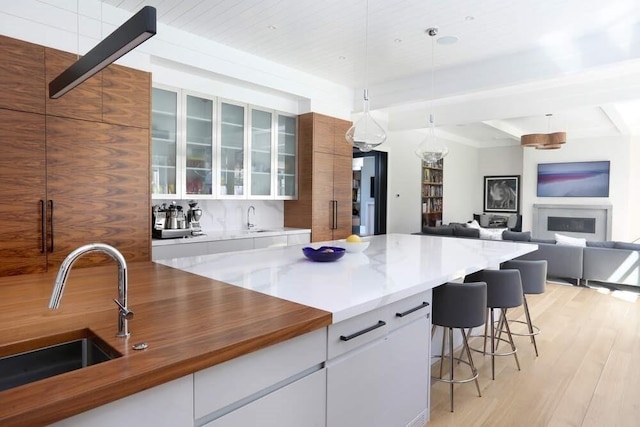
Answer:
[(587, 374)]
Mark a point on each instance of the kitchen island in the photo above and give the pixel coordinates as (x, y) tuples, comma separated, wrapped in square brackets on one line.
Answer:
[(377, 368), (281, 338)]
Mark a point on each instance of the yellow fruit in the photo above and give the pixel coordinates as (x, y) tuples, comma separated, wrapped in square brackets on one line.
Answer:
[(354, 238)]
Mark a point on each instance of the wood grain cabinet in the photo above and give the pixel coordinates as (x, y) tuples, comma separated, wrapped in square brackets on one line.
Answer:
[(97, 190), (23, 192), (74, 170), (21, 76), (324, 179)]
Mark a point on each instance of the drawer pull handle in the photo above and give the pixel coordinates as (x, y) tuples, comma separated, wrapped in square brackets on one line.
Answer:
[(411, 310), (380, 324)]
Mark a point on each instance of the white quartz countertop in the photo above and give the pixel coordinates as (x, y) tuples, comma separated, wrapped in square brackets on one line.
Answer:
[(393, 267), (211, 236)]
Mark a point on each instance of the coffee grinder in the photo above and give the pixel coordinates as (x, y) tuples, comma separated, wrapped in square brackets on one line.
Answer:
[(193, 218)]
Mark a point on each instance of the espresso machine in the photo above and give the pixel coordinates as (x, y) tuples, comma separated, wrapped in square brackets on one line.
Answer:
[(193, 218), (169, 222)]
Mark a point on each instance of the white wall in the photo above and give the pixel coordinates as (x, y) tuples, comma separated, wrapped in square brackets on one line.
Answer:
[(634, 190), (461, 180), (403, 182), (621, 189), (462, 190)]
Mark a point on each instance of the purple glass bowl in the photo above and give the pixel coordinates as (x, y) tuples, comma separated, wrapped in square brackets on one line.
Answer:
[(323, 253)]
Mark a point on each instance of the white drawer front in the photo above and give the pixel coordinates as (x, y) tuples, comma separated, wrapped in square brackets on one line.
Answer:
[(356, 331), (409, 309), (224, 384)]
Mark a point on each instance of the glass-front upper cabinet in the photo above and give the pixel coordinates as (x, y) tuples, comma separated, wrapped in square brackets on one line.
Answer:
[(199, 142), (232, 159), (286, 181), (261, 154), (164, 142)]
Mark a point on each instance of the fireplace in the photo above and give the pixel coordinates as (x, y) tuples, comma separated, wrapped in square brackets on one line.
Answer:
[(592, 222), (572, 224)]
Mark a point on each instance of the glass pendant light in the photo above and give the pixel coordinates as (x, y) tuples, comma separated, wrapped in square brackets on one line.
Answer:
[(431, 150), (366, 133)]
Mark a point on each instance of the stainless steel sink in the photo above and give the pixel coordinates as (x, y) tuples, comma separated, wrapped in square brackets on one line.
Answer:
[(53, 356)]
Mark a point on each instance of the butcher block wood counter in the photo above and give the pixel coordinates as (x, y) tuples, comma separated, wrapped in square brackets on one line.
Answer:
[(189, 323)]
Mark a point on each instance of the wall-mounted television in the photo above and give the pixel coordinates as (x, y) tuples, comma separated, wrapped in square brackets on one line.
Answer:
[(574, 179)]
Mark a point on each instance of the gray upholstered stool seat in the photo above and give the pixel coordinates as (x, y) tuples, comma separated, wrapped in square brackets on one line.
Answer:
[(458, 306), (504, 291), (534, 281)]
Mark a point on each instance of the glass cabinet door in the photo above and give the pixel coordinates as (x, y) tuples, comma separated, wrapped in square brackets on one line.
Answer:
[(164, 140), (232, 142), (287, 143), (199, 146), (261, 152)]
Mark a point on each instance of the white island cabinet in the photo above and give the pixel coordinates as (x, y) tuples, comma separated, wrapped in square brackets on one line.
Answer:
[(283, 385), (377, 372), (377, 348)]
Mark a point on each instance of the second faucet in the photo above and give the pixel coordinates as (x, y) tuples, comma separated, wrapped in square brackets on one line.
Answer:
[(250, 224)]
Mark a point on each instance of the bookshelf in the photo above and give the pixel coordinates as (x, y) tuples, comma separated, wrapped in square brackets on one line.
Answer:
[(432, 193)]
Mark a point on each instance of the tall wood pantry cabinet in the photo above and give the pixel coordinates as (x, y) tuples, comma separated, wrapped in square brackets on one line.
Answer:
[(324, 179), (73, 170)]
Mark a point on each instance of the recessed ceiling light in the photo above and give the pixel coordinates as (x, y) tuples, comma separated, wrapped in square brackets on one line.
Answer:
[(469, 18), (447, 40), (272, 27), (342, 57), (397, 41)]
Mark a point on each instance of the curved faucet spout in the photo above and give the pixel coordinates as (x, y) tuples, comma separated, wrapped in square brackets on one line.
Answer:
[(65, 268), (250, 224)]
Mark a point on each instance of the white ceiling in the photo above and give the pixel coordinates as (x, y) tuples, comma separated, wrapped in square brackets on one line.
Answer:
[(501, 44)]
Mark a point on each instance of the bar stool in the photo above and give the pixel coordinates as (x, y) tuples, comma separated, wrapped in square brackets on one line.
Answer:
[(504, 291), (534, 281), (459, 306)]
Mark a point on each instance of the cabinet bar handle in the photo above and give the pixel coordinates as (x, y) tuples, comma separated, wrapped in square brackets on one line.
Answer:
[(380, 324), (411, 310), (335, 214), (43, 224), (51, 223)]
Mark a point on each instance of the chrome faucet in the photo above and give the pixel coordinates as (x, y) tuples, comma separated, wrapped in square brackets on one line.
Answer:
[(250, 225), (124, 314)]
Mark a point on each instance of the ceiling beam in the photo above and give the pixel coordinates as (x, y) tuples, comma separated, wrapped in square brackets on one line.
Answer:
[(504, 127), (613, 114)]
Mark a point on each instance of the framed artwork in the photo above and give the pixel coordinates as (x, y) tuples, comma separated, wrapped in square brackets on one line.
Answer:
[(502, 193), (575, 179)]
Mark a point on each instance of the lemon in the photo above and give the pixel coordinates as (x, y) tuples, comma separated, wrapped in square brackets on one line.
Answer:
[(354, 238)]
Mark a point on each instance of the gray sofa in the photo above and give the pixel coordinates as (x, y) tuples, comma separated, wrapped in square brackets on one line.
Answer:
[(565, 262), (610, 262)]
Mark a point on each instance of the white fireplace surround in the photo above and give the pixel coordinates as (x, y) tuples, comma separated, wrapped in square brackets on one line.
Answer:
[(601, 213)]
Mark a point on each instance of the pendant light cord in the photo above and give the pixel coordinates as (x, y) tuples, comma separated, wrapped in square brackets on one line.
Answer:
[(366, 55), (77, 29), (432, 119)]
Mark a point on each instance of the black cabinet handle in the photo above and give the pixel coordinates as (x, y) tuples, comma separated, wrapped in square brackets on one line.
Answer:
[(380, 324), (43, 225), (335, 214), (51, 223), (411, 310)]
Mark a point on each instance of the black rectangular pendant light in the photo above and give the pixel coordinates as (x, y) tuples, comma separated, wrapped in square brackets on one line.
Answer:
[(126, 37)]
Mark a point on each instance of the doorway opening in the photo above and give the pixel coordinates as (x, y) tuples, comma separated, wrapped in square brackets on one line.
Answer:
[(369, 198)]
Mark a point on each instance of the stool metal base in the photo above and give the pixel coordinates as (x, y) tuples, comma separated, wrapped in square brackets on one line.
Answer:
[(495, 340), (465, 348), (533, 329)]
